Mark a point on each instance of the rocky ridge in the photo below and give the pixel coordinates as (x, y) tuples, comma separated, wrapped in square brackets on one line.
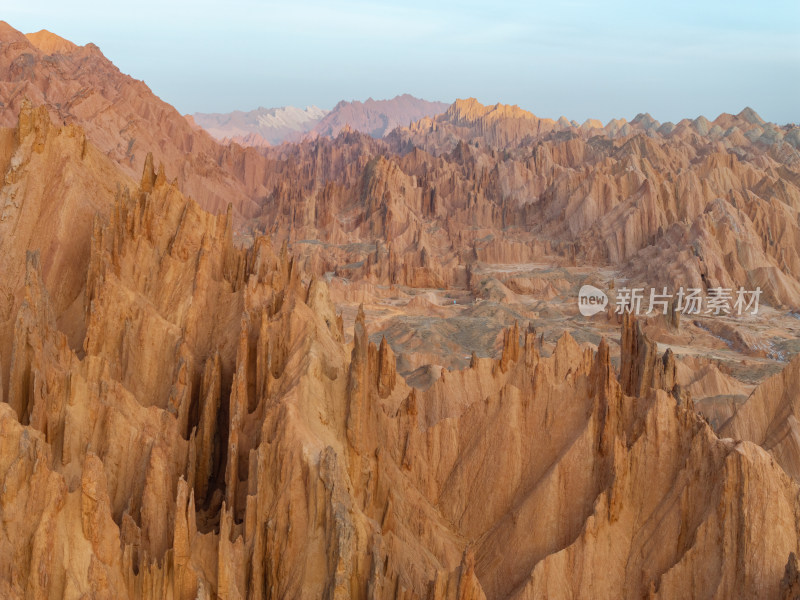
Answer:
[(376, 118)]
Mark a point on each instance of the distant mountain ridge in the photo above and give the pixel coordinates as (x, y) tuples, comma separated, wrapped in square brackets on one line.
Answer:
[(378, 117), (504, 126), (273, 126)]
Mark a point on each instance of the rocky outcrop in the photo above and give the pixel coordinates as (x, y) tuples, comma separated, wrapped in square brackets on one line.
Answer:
[(55, 184), (708, 216), (641, 369), (769, 418)]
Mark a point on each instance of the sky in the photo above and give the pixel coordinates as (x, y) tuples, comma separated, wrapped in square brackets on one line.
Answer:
[(580, 59)]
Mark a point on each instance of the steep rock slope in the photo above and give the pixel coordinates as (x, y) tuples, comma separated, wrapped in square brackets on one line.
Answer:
[(120, 115), (55, 184), (769, 418)]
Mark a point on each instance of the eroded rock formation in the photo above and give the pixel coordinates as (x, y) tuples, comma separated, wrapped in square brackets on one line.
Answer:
[(214, 436), (698, 204), (186, 415)]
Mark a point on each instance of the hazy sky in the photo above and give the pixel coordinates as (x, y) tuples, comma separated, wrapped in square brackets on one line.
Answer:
[(580, 59)]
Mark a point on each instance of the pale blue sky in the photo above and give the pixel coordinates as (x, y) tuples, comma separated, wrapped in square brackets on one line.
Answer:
[(580, 59)]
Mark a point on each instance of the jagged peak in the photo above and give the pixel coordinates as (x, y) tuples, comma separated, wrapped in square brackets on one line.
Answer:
[(645, 120), (592, 124), (148, 173), (50, 43), (360, 318), (469, 109), (751, 116), (161, 178), (701, 125)]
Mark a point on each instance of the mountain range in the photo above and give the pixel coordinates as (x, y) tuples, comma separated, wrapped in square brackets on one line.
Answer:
[(271, 126)]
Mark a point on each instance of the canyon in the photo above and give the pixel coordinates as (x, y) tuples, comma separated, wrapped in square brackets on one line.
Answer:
[(353, 366)]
